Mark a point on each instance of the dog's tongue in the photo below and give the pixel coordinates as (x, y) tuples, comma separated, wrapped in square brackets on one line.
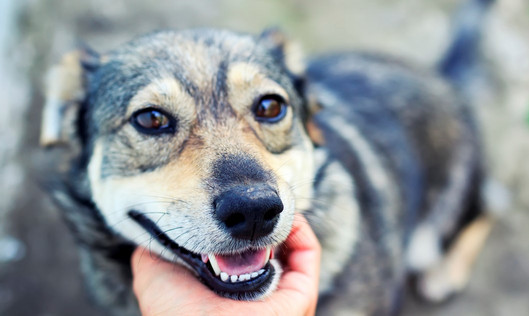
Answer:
[(242, 263)]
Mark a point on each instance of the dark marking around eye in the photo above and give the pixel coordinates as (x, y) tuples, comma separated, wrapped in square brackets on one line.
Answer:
[(153, 121)]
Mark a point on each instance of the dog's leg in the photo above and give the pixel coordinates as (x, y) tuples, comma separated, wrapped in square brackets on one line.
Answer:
[(452, 273)]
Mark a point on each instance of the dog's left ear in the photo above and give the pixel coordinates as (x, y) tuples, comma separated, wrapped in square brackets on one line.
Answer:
[(65, 92), (284, 50)]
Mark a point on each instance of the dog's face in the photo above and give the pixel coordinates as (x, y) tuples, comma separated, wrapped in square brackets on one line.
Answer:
[(198, 152)]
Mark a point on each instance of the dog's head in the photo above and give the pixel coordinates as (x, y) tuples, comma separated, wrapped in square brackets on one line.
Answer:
[(195, 146)]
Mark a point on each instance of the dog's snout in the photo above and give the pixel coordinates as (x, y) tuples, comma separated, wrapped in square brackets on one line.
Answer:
[(248, 212)]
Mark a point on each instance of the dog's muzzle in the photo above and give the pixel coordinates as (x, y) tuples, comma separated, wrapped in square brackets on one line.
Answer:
[(246, 213)]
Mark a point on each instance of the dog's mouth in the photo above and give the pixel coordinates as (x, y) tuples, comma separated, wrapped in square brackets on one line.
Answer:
[(238, 267), (245, 275)]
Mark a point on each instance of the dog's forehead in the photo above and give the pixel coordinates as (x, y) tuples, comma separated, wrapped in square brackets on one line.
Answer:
[(194, 57)]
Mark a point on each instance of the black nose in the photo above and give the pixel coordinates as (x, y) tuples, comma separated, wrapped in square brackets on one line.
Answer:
[(248, 212)]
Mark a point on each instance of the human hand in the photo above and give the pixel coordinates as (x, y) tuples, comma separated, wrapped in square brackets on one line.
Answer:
[(164, 289)]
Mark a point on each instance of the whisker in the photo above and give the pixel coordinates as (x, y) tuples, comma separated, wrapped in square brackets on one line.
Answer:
[(126, 217)]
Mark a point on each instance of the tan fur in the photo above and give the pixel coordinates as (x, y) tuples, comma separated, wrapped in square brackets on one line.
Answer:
[(315, 133)]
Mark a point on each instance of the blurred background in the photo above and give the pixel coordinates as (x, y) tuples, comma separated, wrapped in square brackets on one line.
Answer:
[(38, 261)]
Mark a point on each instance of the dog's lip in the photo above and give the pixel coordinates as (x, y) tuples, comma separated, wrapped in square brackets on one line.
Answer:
[(241, 289)]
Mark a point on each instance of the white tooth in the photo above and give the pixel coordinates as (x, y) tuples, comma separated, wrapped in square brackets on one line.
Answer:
[(254, 275), (260, 271), (267, 254), (214, 264), (233, 278), (224, 276), (244, 277)]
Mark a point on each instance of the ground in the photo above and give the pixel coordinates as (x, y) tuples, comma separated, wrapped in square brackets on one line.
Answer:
[(38, 262)]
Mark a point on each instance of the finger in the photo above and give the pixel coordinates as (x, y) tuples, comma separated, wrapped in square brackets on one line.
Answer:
[(303, 249), (299, 283)]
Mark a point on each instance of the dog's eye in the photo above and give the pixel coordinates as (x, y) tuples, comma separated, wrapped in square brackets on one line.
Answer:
[(270, 108), (152, 121)]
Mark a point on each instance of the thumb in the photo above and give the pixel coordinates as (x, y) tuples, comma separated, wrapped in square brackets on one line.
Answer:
[(156, 284)]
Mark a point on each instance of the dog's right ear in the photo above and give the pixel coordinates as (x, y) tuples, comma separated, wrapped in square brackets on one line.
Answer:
[(66, 85)]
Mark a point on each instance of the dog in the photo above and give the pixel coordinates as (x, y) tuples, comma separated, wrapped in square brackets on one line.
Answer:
[(201, 145)]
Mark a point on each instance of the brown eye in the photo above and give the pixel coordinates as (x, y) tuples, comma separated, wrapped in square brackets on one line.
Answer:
[(152, 121), (270, 108)]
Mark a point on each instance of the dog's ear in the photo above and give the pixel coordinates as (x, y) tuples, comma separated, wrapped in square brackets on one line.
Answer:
[(66, 85), (284, 50)]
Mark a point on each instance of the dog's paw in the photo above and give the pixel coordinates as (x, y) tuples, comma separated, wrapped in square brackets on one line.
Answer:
[(441, 283)]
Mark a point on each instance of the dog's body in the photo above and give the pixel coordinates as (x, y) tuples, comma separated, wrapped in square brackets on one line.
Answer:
[(202, 144), (401, 119)]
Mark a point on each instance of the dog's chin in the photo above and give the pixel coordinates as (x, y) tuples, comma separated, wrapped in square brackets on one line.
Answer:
[(251, 274)]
